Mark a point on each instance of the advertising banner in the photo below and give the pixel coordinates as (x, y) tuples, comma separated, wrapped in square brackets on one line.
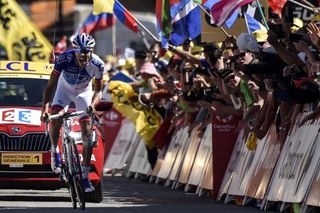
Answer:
[(224, 138), (112, 121)]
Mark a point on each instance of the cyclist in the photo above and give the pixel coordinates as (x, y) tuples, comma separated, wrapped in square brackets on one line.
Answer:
[(72, 74)]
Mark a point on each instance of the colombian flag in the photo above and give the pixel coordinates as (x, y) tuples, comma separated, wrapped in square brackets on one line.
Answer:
[(114, 7), (97, 22)]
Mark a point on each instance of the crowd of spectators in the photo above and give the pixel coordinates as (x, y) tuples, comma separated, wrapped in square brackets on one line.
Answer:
[(266, 77)]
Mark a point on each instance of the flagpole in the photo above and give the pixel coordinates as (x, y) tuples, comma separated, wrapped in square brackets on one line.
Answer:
[(140, 24), (114, 40), (246, 21), (262, 15), (315, 10), (204, 10)]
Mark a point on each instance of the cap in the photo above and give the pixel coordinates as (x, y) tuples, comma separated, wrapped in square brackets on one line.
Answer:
[(196, 49), (130, 63), (247, 42), (149, 68), (260, 35)]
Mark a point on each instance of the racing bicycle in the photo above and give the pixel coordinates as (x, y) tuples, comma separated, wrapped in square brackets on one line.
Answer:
[(71, 169)]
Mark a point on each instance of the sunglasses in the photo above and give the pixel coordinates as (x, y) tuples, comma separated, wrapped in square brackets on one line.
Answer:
[(240, 55)]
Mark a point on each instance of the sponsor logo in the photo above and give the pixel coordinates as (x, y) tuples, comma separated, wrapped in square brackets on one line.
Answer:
[(112, 116), (16, 129)]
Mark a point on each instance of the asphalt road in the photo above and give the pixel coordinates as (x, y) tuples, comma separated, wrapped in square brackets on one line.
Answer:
[(121, 195)]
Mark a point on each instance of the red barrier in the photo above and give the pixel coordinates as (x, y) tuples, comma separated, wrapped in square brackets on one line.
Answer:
[(112, 122), (223, 140)]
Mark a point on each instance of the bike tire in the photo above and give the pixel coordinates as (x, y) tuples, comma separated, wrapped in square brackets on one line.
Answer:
[(77, 175), (68, 177)]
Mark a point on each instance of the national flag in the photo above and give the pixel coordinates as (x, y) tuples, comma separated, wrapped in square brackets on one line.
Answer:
[(229, 23), (19, 37), (163, 16), (223, 9), (61, 46), (97, 22), (207, 3), (186, 24), (146, 121), (114, 7), (277, 5), (253, 24)]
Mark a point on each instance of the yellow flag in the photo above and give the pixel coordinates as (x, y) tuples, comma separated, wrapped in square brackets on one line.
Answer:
[(102, 6), (19, 37), (146, 120)]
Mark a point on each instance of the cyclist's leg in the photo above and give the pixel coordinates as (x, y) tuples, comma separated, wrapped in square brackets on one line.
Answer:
[(60, 102), (82, 102)]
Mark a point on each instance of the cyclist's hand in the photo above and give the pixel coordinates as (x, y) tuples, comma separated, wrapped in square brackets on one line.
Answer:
[(91, 109), (44, 117)]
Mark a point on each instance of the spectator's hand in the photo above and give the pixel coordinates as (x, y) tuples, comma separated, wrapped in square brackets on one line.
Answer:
[(253, 86), (314, 34), (219, 64), (272, 38), (268, 85)]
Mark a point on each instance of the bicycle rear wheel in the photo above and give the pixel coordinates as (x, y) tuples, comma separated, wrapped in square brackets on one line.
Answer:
[(77, 174)]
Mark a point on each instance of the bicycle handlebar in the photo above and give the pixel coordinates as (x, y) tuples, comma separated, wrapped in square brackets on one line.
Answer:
[(65, 115)]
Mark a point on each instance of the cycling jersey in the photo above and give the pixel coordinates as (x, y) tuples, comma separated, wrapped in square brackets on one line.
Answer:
[(73, 74), (74, 84)]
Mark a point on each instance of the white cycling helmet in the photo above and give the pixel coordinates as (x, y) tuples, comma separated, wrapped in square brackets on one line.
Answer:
[(83, 42)]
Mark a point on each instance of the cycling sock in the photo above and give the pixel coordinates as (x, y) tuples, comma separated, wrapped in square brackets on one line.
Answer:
[(54, 149), (86, 171)]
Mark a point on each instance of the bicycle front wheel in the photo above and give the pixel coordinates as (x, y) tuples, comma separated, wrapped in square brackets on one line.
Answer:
[(67, 176), (77, 174)]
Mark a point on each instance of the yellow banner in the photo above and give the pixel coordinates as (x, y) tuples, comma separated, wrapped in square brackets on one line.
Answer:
[(19, 37), (146, 120)]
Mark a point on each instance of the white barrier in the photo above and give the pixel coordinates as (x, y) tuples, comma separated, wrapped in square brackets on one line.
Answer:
[(297, 164), (171, 154), (189, 157), (264, 162), (176, 168), (123, 144), (206, 180), (201, 159), (228, 176), (139, 163)]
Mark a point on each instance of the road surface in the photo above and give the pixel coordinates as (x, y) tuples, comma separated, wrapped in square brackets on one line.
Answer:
[(121, 195)]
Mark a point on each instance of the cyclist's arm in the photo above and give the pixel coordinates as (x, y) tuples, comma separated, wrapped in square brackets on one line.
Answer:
[(48, 91)]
